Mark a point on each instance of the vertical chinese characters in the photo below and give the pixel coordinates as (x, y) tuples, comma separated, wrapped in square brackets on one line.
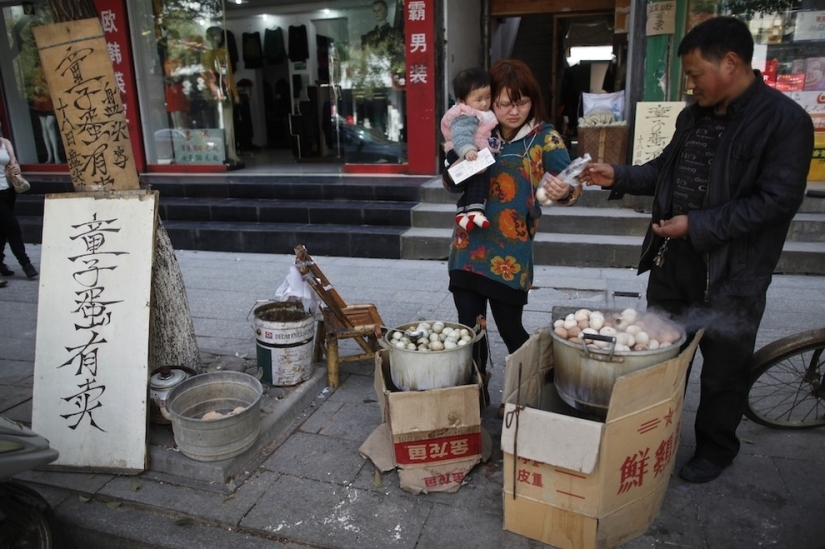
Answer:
[(93, 312)]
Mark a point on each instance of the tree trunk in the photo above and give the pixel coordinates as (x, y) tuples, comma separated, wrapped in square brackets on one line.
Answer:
[(72, 10), (172, 339), (173, 333)]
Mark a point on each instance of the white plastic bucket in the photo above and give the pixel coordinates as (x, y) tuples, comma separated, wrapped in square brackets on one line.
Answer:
[(284, 348)]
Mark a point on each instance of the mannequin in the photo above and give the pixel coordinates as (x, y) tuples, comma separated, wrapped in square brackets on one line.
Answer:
[(42, 105), (221, 82), (383, 31)]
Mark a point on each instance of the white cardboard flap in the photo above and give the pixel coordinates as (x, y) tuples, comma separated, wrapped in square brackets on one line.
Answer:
[(556, 439)]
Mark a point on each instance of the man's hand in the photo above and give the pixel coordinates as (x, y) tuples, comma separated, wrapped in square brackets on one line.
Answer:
[(597, 173), (675, 227)]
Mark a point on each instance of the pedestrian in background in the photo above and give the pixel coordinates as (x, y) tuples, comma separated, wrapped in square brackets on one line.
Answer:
[(9, 226), (495, 265), (725, 190)]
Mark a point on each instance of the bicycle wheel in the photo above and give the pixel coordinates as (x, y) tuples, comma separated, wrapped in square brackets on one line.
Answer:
[(787, 389)]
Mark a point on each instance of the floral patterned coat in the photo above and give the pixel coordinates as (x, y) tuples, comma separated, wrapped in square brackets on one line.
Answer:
[(503, 253)]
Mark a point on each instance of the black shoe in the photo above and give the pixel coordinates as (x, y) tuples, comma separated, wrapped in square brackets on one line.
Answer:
[(699, 470), (5, 271), (3, 283), (30, 271)]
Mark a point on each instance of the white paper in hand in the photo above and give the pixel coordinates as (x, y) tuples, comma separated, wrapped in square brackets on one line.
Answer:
[(464, 169)]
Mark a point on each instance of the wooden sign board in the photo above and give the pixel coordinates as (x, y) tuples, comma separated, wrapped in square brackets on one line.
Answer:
[(87, 105), (655, 124), (92, 349)]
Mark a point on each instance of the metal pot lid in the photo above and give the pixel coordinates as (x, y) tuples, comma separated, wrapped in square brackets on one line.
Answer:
[(167, 380)]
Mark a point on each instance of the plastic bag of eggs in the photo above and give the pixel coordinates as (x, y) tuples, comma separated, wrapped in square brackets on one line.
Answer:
[(435, 336), (633, 330)]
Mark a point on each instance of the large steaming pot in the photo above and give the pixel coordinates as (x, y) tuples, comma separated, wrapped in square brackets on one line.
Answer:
[(584, 377)]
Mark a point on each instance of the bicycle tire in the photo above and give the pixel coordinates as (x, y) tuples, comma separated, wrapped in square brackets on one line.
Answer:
[(779, 394)]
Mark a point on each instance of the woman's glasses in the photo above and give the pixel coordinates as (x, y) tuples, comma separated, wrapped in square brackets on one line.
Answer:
[(507, 105)]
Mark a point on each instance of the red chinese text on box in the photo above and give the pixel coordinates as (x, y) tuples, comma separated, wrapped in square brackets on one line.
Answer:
[(444, 480), (634, 469), (438, 449)]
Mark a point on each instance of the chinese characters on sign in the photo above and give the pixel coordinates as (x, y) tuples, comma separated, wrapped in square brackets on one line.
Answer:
[(96, 260), (92, 346), (661, 18), (420, 61), (655, 124), (202, 146), (88, 105)]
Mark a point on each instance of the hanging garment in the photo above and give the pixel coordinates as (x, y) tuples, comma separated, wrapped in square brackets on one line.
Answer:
[(298, 43), (252, 51), (274, 51)]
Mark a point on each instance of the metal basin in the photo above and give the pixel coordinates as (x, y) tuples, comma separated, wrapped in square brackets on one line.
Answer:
[(222, 438)]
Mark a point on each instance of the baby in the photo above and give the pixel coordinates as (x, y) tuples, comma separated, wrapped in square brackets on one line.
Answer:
[(467, 128)]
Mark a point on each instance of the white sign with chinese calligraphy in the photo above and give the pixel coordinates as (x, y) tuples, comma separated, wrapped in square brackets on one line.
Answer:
[(91, 353), (661, 18), (810, 25), (655, 124), (200, 146)]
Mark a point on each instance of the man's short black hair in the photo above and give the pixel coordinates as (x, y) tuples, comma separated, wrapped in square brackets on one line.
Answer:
[(715, 37), (468, 80)]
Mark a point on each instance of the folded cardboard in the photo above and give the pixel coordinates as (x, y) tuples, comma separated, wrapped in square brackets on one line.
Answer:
[(574, 482), (434, 438)]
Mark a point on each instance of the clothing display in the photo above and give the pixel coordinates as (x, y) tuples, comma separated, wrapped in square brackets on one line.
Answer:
[(274, 50), (298, 43), (252, 50)]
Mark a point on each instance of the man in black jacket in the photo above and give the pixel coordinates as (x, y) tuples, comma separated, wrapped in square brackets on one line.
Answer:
[(724, 192)]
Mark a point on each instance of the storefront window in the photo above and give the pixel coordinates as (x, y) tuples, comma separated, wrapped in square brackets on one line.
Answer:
[(219, 84), (29, 106)]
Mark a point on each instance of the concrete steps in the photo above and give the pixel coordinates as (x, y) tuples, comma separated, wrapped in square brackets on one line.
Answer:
[(351, 216), (395, 217), (599, 233)]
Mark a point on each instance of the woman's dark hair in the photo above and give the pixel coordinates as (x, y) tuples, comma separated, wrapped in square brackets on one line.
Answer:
[(517, 78), (717, 36), (468, 80)]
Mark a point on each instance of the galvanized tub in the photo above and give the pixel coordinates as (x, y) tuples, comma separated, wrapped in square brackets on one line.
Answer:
[(222, 438), (584, 377), (422, 371)]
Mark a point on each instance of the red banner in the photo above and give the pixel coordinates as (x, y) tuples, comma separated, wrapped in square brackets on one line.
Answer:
[(420, 55), (115, 25)]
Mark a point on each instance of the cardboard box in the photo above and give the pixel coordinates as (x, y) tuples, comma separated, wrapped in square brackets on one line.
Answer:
[(578, 483), (434, 438)]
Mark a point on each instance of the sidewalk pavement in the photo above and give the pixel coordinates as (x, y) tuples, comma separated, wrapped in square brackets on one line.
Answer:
[(307, 486)]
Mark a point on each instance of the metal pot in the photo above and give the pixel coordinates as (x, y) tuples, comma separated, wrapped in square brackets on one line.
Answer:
[(421, 371), (161, 381), (224, 437), (584, 377)]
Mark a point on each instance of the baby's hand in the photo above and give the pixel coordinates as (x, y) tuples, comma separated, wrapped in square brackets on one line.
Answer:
[(471, 155)]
